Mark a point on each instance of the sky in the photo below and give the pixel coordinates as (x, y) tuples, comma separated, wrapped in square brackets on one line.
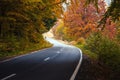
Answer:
[(108, 2)]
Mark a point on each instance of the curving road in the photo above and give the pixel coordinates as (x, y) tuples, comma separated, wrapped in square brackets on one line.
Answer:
[(56, 63)]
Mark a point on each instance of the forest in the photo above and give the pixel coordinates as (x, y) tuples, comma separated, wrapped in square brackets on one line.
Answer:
[(91, 25), (22, 23)]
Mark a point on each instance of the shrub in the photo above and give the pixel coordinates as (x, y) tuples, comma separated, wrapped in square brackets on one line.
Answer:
[(12, 46), (81, 41), (107, 50), (81, 44)]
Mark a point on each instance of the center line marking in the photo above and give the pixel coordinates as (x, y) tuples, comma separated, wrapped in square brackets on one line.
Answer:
[(8, 77), (46, 59)]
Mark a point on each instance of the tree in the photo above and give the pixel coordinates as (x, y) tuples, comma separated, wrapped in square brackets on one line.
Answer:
[(49, 22), (113, 11), (28, 12), (26, 19), (81, 20)]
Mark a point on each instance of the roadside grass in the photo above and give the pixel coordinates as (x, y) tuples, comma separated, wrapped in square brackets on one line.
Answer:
[(32, 47), (87, 52)]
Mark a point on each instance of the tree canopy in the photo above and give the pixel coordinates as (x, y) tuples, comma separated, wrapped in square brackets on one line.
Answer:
[(113, 10), (27, 19), (19, 13)]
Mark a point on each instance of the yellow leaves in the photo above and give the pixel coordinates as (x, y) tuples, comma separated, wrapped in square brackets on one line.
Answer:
[(81, 40), (17, 15), (60, 26), (57, 11), (9, 19), (29, 12), (75, 2)]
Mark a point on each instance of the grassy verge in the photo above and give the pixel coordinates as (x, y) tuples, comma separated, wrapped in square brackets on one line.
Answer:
[(32, 47), (87, 52)]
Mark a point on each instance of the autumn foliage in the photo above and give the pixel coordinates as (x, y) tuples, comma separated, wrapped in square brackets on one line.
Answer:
[(81, 20), (22, 23)]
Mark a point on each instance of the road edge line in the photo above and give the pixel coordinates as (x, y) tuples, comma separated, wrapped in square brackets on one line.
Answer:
[(78, 66), (9, 59)]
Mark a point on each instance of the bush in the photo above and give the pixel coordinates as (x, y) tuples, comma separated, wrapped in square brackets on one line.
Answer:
[(13, 46), (81, 44), (81, 41), (108, 50)]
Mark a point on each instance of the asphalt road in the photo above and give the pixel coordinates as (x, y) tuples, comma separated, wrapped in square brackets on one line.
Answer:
[(56, 63)]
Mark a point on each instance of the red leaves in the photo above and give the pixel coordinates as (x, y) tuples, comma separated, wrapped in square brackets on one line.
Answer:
[(81, 20)]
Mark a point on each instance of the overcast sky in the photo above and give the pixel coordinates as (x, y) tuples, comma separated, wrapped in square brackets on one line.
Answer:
[(108, 2)]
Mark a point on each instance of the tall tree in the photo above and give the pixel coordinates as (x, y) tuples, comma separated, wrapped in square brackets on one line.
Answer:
[(26, 19), (81, 20), (28, 12)]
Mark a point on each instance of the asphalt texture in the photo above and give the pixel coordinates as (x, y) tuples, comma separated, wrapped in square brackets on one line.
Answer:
[(56, 63)]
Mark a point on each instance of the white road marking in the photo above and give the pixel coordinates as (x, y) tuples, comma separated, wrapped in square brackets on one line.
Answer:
[(78, 66), (46, 59), (8, 77), (21, 56), (58, 52)]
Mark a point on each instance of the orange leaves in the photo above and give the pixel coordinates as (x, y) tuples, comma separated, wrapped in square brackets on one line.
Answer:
[(110, 29), (81, 20)]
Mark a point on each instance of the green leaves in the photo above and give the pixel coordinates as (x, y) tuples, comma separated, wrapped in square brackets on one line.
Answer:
[(107, 50)]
